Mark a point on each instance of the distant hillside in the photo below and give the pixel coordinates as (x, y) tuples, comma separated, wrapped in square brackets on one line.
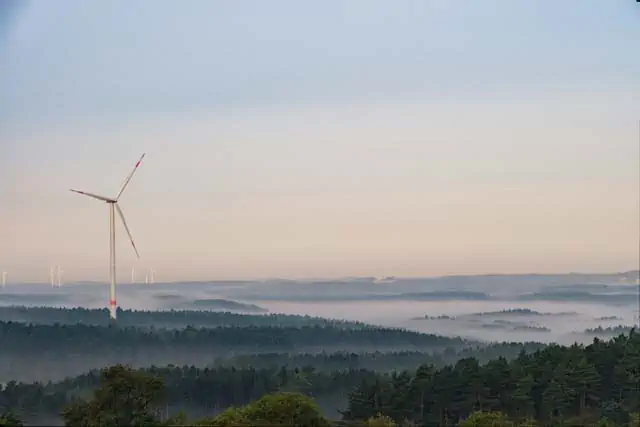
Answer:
[(227, 305), (615, 330), (175, 319), (404, 296), (520, 312), (50, 352), (582, 296)]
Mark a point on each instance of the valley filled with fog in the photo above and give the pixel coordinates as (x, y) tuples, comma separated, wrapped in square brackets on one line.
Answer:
[(323, 337), (542, 308)]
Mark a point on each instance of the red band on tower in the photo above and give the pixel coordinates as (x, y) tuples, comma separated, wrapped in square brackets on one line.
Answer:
[(112, 302)]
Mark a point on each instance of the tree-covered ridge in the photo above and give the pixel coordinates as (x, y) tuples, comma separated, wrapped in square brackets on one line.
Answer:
[(92, 339), (593, 385), (511, 312), (520, 312), (51, 352), (557, 386), (130, 398), (379, 361), (440, 317), (198, 391), (162, 319), (229, 305), (612, 330), (328, 376)]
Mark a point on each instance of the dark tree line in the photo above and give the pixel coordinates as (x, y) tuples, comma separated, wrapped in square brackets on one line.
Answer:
[(204, 392), (130, 398), (556, 385), (91, 339), (615, 330), (330, 377), (49, 352), (162, 319), (379, 361)]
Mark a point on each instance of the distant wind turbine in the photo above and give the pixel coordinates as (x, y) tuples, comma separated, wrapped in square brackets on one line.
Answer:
[(59, 278), (113, 206), (4, 279)]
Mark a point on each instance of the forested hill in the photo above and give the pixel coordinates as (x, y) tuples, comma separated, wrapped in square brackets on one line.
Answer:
[(162, 319), (50, 352), (378, 361), (555, 386), (560, 386)]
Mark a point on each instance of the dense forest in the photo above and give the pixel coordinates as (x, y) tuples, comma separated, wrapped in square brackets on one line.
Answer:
[(556, 385), (379, 361), (598, 384), (353, 372), (162, 319), (327, 376), (53, 351)]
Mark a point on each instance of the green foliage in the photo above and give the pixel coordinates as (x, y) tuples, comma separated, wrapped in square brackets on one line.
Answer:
[(230, 417), (487, 419), (277, 409), (125, 398), (10, 419), (75, 345), (380, 420), (554, 385), (180, 419), (210, 390), (603, 422), (557, 385), (286, 409)]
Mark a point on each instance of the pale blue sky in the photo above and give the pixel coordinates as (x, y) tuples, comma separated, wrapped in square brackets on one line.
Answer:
[(322, 139)]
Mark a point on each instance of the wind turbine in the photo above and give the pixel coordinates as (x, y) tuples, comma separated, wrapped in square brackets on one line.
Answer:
[(59, 282), (113, 206), (4, 279)]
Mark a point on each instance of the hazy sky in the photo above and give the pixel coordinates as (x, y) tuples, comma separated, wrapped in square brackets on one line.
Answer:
[(302, 139)]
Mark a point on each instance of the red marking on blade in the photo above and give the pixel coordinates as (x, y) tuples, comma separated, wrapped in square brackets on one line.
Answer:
[(137, 164)]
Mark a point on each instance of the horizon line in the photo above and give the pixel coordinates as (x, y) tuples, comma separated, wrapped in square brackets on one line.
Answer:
[(338, 278)]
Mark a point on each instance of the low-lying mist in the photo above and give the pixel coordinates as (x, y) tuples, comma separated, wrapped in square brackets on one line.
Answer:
[(587, 302)]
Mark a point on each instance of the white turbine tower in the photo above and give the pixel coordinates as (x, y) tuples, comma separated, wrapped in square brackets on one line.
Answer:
[(59, 278), (113, 206), (4, 279), (133, 275), (52, 281)]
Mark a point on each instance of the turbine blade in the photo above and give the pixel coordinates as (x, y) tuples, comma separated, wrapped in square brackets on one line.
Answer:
[(124, 222), (126, 181), (95, 196)]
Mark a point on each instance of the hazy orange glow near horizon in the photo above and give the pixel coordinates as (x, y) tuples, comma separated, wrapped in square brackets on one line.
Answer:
[(436, 149)]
